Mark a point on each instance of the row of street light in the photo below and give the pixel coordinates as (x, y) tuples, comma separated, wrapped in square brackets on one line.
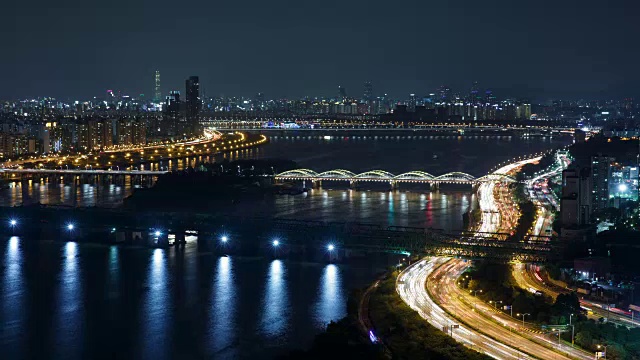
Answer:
[(224, 238), (275, 243)]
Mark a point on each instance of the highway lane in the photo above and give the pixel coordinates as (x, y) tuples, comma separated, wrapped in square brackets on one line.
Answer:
[(491, 321), (411, 288)]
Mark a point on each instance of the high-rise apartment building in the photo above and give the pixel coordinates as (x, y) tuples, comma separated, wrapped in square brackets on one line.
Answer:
[(575, 203), (600, 172)]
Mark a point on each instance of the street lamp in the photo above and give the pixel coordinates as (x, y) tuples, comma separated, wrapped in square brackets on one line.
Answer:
[(475, 291), (523, 315), (224, 238), (330, 247), (276, 243), (605, 350), (495, 303), (13, 222)]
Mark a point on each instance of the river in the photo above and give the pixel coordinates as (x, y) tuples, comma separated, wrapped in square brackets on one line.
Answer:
[(72, 301)]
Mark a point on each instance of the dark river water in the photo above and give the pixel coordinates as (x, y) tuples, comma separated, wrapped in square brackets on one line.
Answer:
[(72, 301)]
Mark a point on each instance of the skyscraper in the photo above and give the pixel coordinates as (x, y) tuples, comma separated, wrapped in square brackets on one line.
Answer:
[(171, 117), (474, 95), (157, 97), (368, 91), (193, 104)]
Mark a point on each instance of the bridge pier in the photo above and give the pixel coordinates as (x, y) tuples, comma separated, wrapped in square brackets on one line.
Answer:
[(353, 184), (434, 186), (394, 185)]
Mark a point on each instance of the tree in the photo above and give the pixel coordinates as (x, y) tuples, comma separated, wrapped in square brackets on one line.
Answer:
[(584, 339)]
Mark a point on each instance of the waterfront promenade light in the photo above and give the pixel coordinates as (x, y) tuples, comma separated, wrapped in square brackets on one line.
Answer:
[(276, 243), (330, 247), (70, 227), (224, 239), (13, 222)]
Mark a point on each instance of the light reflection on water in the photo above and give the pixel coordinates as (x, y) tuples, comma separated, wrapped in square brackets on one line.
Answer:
[(331, 298), (275, 313), (223, 309), (156, 309), (70, 306), (12, 287)]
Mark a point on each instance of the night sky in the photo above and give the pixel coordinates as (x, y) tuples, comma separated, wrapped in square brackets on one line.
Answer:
[(535, 49)]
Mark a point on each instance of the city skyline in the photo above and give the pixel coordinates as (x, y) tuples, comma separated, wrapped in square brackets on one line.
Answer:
[(537, 51)]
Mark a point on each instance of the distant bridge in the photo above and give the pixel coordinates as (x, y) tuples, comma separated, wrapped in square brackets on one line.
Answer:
[(385, 176)]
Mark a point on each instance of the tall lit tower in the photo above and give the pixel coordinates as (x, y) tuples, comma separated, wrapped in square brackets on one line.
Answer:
[(193, 103), (157, 97)]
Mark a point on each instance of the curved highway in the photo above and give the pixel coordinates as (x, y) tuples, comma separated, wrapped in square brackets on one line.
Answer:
[(473, 322), (411, 287)]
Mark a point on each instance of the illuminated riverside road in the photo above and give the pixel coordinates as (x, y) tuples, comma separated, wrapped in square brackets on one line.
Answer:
[(411, 287), (474, 314)]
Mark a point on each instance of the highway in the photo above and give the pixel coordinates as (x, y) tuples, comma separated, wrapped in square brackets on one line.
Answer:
[(527, 277), (411, 287), (499, 325), (479, 326)]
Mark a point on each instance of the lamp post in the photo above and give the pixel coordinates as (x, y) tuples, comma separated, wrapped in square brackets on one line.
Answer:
[(475, 291), (573, 330), (605, 350), (523, 315), (330, 249)]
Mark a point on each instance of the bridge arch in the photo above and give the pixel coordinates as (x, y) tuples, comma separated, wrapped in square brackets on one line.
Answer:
[(375, 174), (298, 173), (414, 176), (455, 176), (337, 174)]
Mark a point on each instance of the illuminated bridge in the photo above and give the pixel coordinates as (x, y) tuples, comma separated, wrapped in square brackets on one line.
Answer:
[(385, 176)]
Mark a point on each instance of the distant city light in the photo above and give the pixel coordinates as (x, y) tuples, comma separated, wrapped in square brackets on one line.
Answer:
[(622, 187)]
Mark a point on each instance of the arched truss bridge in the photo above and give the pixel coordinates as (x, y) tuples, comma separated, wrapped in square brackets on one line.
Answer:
[(385, 176)]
